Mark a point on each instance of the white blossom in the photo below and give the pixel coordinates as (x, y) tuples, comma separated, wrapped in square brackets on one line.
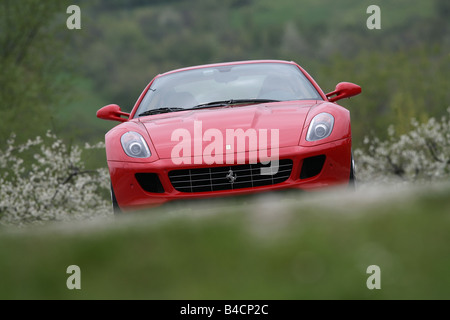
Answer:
[(421, 155), (53, 186)]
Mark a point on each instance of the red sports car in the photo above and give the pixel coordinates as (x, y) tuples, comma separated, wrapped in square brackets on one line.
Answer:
[(228, 129)]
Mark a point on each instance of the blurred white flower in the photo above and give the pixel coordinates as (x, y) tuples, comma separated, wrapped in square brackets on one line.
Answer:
[(422, 155), (54, 186)]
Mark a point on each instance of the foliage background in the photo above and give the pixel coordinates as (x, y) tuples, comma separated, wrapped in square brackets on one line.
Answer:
[(59, 78)]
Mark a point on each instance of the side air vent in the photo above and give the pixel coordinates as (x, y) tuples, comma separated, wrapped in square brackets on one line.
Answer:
[(312, 166), (150, 182)]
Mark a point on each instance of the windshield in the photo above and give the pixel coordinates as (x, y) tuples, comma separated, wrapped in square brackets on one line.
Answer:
[(258, 81)]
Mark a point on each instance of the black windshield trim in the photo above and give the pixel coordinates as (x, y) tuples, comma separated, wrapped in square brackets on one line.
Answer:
[(161, 110), (230, 102), (213, 104)]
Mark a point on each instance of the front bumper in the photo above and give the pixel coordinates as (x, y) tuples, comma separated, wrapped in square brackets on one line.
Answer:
[(130, 194)]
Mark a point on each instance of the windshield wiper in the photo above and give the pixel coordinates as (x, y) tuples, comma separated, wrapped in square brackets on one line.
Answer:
[(213, 104), (223, 103), (160, 110)]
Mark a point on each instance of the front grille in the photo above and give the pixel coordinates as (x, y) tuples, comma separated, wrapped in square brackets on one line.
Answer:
[(228, 177)]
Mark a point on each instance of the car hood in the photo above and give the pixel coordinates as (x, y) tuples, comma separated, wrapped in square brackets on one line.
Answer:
[(286, 117)]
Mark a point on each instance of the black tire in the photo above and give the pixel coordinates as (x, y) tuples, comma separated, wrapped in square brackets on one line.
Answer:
[(115, 205), (352, 179)]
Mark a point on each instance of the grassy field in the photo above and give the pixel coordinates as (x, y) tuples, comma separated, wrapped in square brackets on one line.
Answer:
[(280, 246)]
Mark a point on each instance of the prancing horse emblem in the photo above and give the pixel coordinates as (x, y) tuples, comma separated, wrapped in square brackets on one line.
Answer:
[(231, 176)]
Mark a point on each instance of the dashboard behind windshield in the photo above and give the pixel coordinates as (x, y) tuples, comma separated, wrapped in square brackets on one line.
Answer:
[(189, 88)]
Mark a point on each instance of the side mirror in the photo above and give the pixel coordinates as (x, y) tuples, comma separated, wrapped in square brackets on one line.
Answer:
[(112, 112), (344, 90)]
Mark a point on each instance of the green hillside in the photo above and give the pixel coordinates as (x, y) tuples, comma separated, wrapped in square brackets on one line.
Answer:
[(64, 79), (402, 67)]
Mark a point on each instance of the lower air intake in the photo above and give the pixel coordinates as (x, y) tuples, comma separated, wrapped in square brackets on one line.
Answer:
[(150, 182), (312, 166)]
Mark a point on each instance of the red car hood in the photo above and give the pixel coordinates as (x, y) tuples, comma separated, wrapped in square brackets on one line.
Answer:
[(286, 117)]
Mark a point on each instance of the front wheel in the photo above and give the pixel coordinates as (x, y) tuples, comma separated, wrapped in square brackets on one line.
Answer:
[(352, 179), (115, 205)]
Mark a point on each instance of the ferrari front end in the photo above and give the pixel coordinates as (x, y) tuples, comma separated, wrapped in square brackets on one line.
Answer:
[(228, 129)]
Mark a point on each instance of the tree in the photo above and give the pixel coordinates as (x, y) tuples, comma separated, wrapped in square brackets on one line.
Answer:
[(31, 64)]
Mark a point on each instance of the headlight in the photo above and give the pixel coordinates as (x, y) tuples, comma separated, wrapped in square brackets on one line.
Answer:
[(134, 145), (320, 127)]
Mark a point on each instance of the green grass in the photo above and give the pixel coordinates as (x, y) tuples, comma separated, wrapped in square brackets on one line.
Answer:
[(288, 246)]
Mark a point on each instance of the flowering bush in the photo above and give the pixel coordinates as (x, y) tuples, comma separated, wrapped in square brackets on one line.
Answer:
[(421, 155), (53, 186)]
